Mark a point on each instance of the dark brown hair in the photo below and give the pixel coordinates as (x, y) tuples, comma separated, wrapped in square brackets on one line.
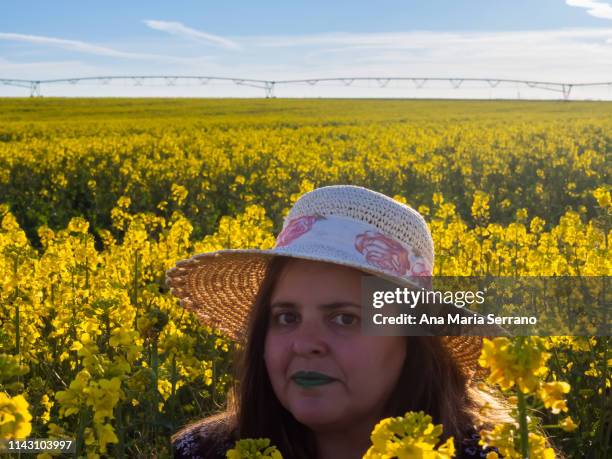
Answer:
[(442, 390)]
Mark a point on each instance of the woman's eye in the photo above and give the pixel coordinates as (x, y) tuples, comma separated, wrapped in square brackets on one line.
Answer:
[(286, 318), (345, 319)]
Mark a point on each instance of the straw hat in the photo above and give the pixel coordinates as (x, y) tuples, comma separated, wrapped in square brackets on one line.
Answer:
[(342, 224)]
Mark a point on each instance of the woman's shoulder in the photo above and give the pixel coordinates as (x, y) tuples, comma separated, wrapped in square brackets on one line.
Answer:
[(208, 438)]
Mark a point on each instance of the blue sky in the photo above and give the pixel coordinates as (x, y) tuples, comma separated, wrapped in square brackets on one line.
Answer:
[(551, 40)]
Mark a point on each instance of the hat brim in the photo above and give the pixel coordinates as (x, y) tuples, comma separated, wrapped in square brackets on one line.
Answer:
[(221, 287)]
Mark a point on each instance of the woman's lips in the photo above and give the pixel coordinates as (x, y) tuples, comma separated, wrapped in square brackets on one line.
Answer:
[(311, 378)]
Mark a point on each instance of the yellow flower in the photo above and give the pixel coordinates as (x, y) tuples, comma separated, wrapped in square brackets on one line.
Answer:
[(521, 214), (10, 367), (44, 401), (103, 396), (568, 424), (400, 198), (106, 435), (538, 448), (179, 194), (480, 206), (124, 202), (519, 361), (164, 387), (551, 394), (409, 437), (602, 195), (78, 225), (71, 400), (536, 225), (55, 431), (14, 417), (505, 438), (250, 448)]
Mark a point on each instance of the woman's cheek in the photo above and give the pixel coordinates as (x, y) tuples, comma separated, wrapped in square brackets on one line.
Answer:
[(364, 359), (354, 361), (276, 358)]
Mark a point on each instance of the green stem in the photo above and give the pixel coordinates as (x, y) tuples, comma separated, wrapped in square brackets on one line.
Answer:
[(121, 445), (524, 432), (604, 437), (17, 330), (514, 261), (174, 378), (155, 368), (135, 286), (86, 273), (80, 433)]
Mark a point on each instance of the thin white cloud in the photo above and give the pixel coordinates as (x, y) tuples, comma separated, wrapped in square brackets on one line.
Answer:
[(597, 9), (423, 39), (87, 48), (179, 29)]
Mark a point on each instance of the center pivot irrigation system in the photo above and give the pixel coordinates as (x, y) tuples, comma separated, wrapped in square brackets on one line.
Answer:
[(268, 86)]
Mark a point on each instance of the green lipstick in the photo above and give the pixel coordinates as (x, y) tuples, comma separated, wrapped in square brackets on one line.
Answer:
[(311, 379)]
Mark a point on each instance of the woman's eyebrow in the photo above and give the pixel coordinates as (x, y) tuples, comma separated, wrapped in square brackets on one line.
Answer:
[(340, 304), (326, 306), (282, 304)]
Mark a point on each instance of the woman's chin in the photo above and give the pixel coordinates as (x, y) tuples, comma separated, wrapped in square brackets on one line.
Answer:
[(315, 413)]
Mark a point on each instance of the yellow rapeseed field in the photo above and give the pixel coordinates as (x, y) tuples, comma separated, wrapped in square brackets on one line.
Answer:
[(98, 198)]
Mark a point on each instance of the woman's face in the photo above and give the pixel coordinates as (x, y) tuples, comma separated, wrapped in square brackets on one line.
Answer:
[(315, 326)]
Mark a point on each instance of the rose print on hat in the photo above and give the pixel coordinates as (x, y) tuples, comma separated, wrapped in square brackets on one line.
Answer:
[(295, 228), (418, 265), (383, 252), (420, 273)]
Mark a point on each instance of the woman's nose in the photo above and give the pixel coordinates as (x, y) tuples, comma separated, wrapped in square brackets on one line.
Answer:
[(309, 339)]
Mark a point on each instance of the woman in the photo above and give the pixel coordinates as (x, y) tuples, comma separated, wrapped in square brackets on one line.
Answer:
[(309, 380)]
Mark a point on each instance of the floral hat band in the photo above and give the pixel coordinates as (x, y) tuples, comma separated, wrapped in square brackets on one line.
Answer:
[(351, 242)]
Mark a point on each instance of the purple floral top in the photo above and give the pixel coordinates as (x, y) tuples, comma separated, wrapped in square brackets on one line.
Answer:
[(205, 443)]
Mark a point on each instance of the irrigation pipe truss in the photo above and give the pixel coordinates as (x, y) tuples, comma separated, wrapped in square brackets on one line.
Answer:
[(268, 86)]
